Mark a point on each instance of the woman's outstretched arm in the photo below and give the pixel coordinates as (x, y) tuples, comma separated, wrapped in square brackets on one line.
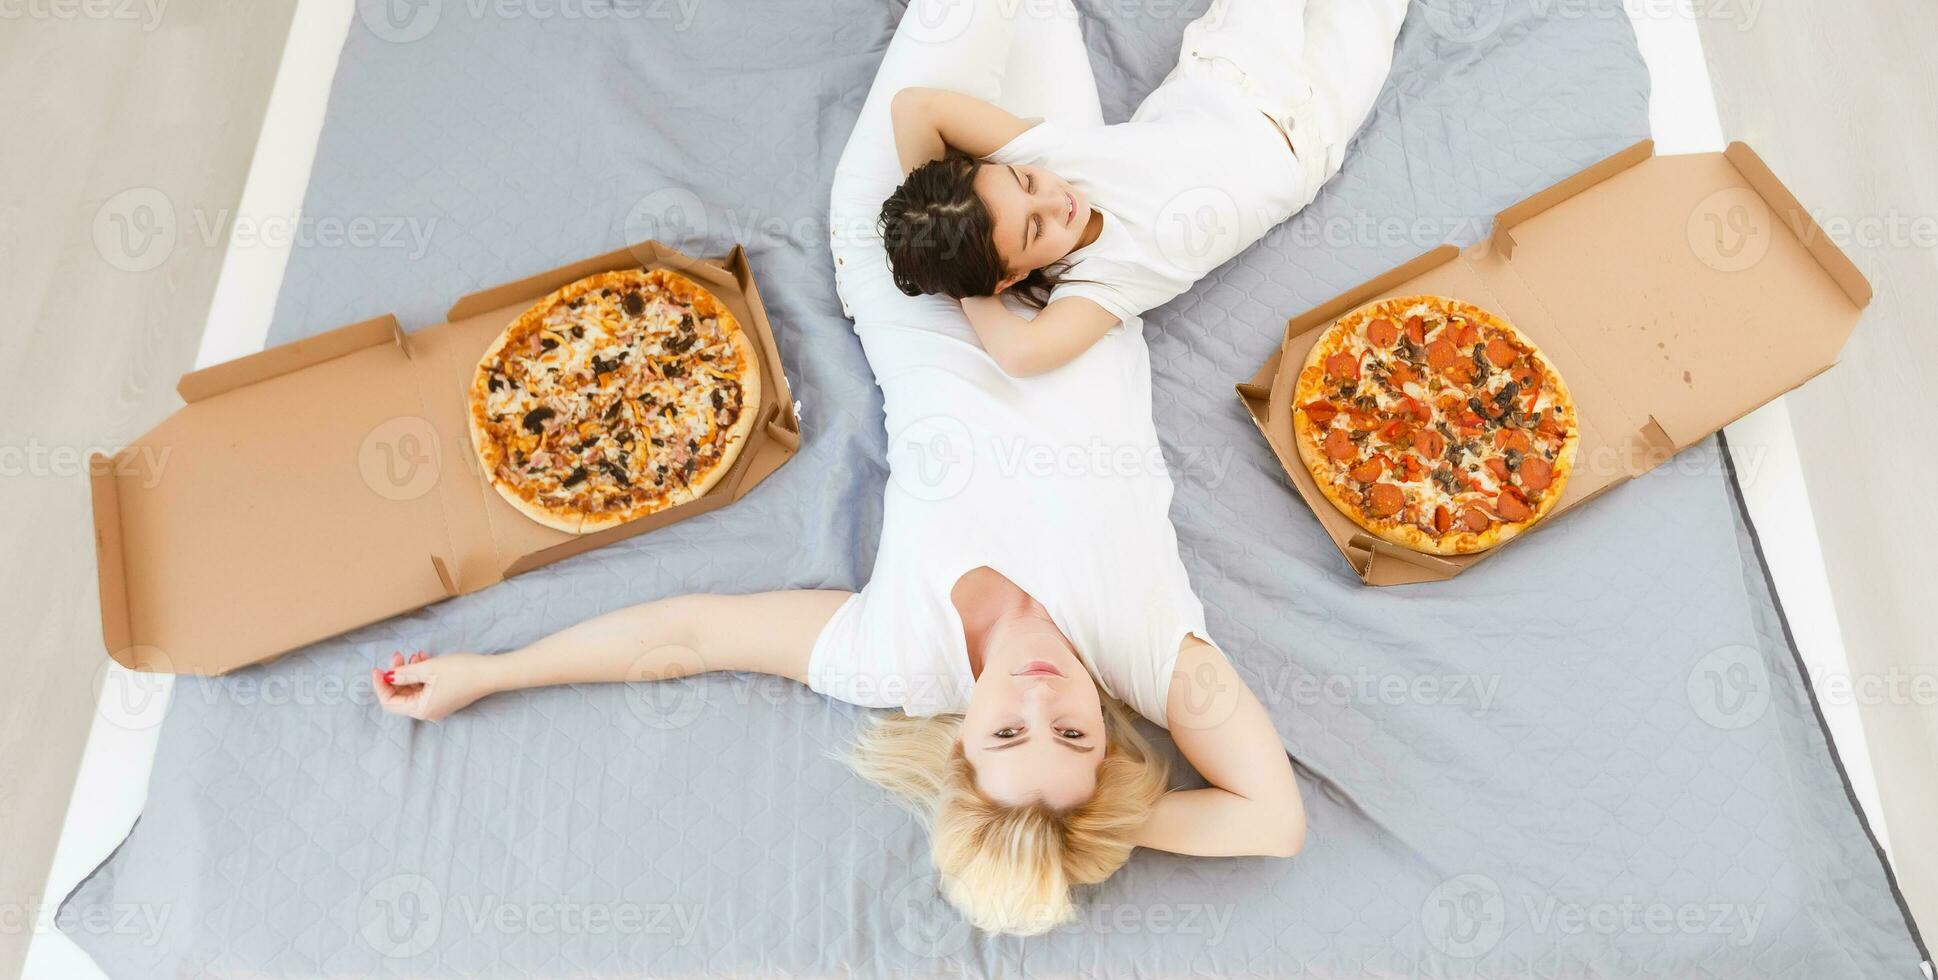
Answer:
[(1252, 805), (766, 633)]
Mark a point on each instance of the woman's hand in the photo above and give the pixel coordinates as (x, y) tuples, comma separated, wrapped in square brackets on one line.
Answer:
[(1024, 348), (432, 688)]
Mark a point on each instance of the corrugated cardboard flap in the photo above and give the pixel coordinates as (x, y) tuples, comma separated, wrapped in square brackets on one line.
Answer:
[(1797, 218), (294, 356), (109, 571)]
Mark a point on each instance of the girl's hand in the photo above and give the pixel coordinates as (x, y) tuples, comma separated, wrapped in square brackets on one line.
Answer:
[(431, 688)]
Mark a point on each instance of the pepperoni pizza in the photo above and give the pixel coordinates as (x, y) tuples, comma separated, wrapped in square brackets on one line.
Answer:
[(1434, 424)]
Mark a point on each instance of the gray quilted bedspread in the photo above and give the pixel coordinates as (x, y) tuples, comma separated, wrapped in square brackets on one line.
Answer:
[(1592, 756)]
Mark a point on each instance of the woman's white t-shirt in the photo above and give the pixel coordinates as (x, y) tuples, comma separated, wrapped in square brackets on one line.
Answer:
[(1195, 177), (1057, 482)]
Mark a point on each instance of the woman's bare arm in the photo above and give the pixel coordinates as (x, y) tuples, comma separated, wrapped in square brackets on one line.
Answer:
[(767, 633), (1253, 805), (928, 121), (1023, 348)]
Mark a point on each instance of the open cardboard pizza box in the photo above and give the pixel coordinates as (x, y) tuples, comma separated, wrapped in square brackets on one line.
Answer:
[(330, 483), (1675, 294)]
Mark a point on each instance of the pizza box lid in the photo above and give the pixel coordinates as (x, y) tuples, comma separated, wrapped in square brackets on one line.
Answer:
[(1675, 294), (330, 482)]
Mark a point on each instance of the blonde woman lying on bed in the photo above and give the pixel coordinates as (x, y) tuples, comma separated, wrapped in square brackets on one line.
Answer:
[(1027, 586)]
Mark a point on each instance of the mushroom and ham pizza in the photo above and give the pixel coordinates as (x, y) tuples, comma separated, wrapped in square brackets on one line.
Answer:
[(618, 396), (1434, 424)]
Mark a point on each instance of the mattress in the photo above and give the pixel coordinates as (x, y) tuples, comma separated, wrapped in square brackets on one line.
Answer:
[(1592, 755)]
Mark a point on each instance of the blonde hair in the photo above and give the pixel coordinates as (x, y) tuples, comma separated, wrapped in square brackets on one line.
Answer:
[(1010, 869)]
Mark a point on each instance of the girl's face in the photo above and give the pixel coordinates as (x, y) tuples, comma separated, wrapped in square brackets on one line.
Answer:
[(1034, 729), (1036, 216)]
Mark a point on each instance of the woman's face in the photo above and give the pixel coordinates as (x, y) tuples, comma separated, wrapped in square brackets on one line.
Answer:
[(1034, 730), (1036, 216)]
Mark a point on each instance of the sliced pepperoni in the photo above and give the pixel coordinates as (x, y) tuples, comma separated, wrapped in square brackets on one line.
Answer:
[(1403, 375), (1500, 352), (1536, 473), (1362, 420), (1442, 519), (1512, 507), (1470, 420), (1498, 467), (1416, 408), (1429, 443), (1462, 332), (1474, 519), (1342, 367), (1340, 446), (1514, 439), (1397, 432), (1548, 428), (1382, 333), (1412, 469), (1320, 412), (1416, 330), (1440, 354), (1522, 375), (1384, 500), (1460, 372), (1368, 471)]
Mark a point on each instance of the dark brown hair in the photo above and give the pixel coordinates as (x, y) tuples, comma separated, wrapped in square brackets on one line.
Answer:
[(941, 239)]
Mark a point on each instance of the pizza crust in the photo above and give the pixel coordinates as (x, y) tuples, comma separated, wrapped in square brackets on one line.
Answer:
[(1311, 385), (702, 305)]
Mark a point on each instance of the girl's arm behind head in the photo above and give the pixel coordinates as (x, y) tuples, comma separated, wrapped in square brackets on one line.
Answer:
[(928, 121)]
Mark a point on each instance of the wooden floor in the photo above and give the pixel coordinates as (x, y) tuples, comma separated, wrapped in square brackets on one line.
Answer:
[(1842, 100), (127, 142)]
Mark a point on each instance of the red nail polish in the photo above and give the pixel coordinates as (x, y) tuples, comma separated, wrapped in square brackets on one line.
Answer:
[(390, 677)]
